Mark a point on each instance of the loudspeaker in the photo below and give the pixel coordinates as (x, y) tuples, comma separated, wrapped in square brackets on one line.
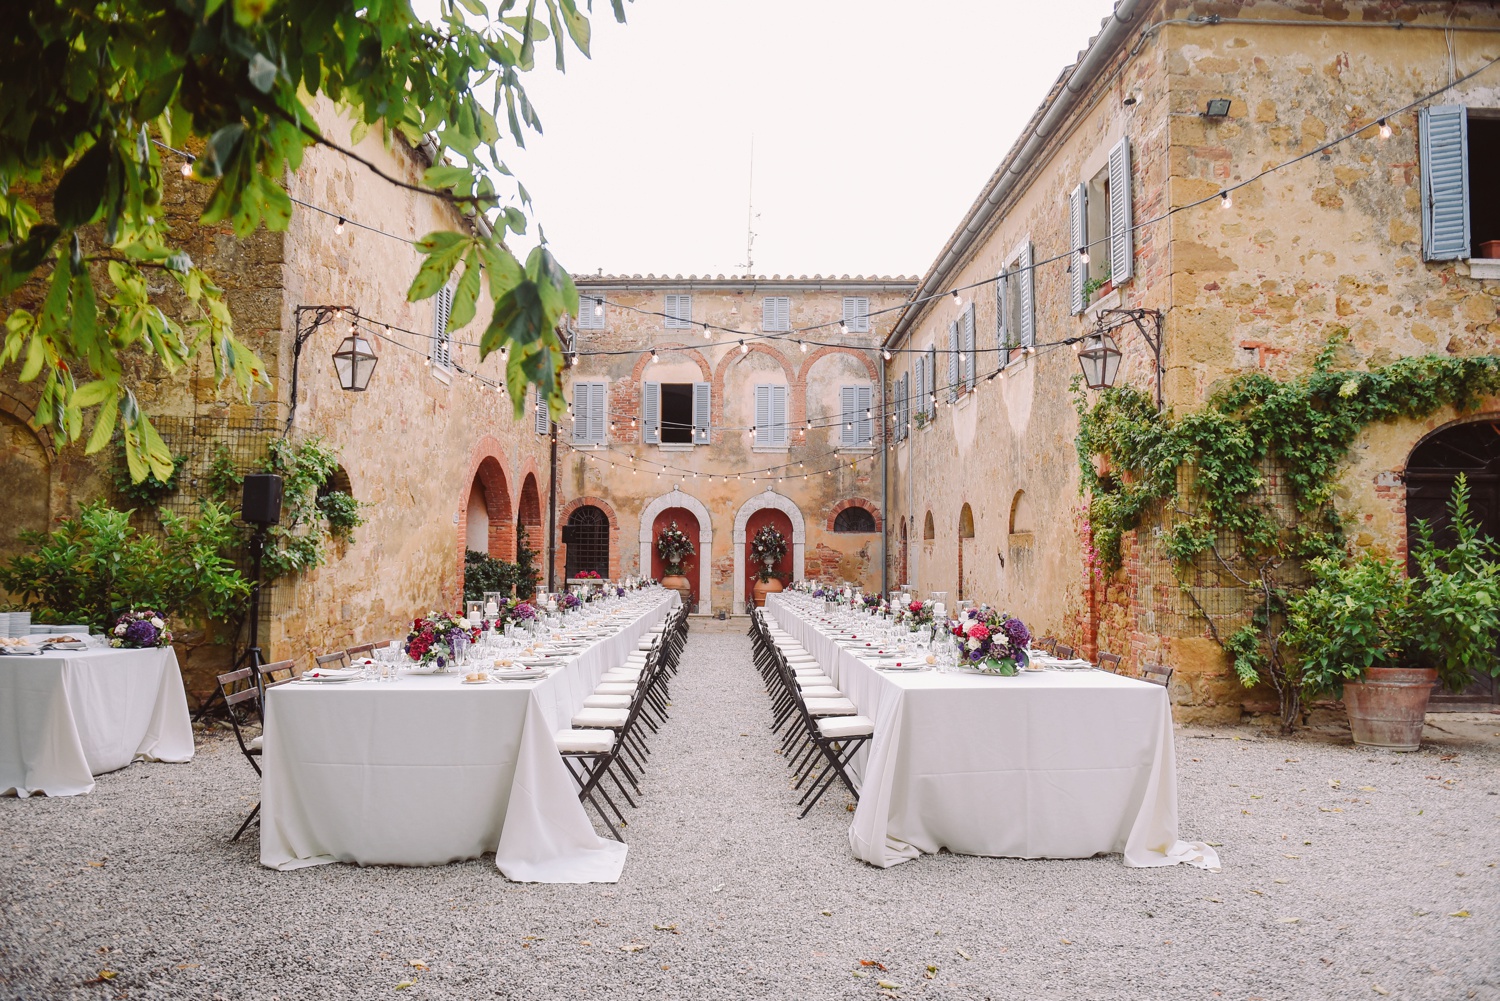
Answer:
[(261, 504)]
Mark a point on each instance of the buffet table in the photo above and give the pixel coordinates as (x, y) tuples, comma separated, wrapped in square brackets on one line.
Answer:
[(66, 717), (429, 770), (1046, 764)]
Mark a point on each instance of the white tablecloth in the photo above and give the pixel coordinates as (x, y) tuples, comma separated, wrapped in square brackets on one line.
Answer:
[(428, 770), (65, 718), (1051, 764)]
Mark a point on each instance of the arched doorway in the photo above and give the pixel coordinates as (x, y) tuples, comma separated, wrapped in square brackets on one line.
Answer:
[(487, 525), (1473, 449), (26, 470), (778, 520), (692, 516), (529, 518), (743, 533), (587, 541)]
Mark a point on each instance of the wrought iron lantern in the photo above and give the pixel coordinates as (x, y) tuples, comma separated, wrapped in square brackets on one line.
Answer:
[(355, 362), (1100, 361)]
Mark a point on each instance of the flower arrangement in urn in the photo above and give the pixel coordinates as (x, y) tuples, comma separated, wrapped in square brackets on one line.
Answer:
[(673, 546), (139, 629), (992, 641), (437, 638), (767, 549)]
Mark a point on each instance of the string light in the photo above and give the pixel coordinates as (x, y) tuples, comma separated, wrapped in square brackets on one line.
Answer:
[(1385, 129), (744, 348), (802, 346), (886, 353), (958, 302), (338, 227), (1083, 255), (187, 167), (708, 332), (1225, 202), (654, 359), (843, 327)]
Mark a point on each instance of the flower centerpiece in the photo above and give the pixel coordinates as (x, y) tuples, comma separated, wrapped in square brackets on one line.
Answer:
[(437, 638), (569, 602), (991, 641), (139, 629), (915, 614), (587, 575), (767, 549), (674, 546)]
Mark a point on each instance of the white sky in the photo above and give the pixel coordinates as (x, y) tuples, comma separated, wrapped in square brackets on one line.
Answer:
[(875, 123)]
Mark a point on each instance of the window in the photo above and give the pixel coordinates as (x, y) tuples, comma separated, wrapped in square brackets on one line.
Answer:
[(1458, 217), (854, 519), (770, 415), (1015, 312), (543, 418), (591, 312), (588, 413), (857, 313), (587, 541), (679, 310), (901, 406), (675, 413), (929, 398), (1100, 221), (966, 522), (856, 427), (776, 313), (1020, 513), (928, 531), (441, 349)]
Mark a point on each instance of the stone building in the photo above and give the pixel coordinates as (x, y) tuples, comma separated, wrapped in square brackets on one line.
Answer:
[(724, 404), (433, 455), (1171, 104)]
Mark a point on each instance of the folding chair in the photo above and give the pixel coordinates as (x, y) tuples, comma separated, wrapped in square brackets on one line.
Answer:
[(1110, 662), (1157, 674), (239, 688)]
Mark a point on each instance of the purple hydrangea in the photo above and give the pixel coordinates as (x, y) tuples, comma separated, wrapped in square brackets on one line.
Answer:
[(1019, 635), (525, 611), (141, 633)]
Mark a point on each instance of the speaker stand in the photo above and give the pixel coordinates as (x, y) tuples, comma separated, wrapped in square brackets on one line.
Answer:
[(252, 657)]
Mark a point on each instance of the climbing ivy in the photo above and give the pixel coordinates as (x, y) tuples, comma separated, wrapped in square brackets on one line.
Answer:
[(1208, 468)]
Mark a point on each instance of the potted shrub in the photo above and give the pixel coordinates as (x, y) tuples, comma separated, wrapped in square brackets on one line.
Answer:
[(767, 549), (1382, 639), (674, 546)]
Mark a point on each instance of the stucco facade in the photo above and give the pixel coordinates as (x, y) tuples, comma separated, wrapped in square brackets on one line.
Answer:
[(722, 482), (1333, 243)]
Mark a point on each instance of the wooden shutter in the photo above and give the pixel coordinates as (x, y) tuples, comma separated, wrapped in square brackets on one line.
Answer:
[(587, 318), (778, 415), (762, 415), (1121, 218), (848, 418), (596, 414), (1078, 229), (679, 310), (543, 419), (857, 313), (581, 393), (1002, 319), (953, 366), (651, 413), (776, 313), (700, 413), (921, 396), (442, 347), (1026, 289), (864, 426), (1445, 182), (967, 345)]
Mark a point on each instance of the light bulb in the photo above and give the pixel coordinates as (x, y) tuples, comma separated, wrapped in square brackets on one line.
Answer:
[(708, 333), (338, 227), (1083, 255), (187, 167), (744, 348), (1225, 202), (843, 327), (598, 307), (1385, 129), (802, 345), (958, 302), (654, 359), (887, 353)]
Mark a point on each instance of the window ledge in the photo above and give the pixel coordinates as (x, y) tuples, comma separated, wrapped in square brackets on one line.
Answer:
[(964, 400), (676, 446), (1110, 301), (772, 449), (1484, 267), (443, 374), (855, 449)]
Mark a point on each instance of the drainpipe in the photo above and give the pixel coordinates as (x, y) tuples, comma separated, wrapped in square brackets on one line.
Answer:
[(885, 487), (552, 517)]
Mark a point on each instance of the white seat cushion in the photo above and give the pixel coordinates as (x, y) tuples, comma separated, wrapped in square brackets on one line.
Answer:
[(256, 742), (607, 702), (615, 688), (826, 692), (846, 726), (585, 741), (600, 717), (809, 669), (822, 707), (622, 674), (814, 681)]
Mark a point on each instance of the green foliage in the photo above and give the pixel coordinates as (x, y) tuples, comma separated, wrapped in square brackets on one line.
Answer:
[(96, 566), (295, 545), (528, 575), (223, 480), (1368, 613), (482, 572), (148, 492), (1207, 470), (92, 86), (341, 511)]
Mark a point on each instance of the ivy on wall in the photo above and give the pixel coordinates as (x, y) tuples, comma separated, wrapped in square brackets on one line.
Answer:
[(1209, 469)]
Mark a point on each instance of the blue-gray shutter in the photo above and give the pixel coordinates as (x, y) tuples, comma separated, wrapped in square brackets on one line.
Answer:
[(1026, 282), (700, 413), (762, 415), (679, 312), (864, 421), (588, 319), (596, 414), (954, 374), (1003, 333), (857, 313), (778, 415), (848, 415), (1445, 182), (581, 394), (543, 419), (442, 344), (966, 345), (1078, 229), (776, 313), (1121, 217), (651, 413), (930, 400), (921, 398), (903, 405)]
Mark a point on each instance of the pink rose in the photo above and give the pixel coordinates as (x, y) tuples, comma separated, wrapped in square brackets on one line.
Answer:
[(979, 631)]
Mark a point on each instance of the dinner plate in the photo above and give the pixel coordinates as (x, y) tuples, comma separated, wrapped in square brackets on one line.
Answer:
[(20, 651), (514, 675)]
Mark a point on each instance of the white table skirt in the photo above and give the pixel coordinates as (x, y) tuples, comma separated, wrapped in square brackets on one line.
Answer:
[(428, 770), (65, 718), (1051, 764)]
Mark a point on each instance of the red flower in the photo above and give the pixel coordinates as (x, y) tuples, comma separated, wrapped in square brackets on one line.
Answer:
[(915, 607), (979, 631)]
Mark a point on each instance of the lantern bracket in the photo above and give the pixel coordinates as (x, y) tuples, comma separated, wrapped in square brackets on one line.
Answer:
[(1149, 323), (317, 316)]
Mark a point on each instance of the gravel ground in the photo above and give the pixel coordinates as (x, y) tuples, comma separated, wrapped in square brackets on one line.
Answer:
[(1345, 876)]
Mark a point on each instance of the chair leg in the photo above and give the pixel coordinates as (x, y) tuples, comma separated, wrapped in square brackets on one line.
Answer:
[(253, 814)]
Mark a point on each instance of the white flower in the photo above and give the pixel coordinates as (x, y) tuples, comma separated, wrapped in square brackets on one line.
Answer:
[(973, 643), (157, 622), (463, 623), (120, 629)]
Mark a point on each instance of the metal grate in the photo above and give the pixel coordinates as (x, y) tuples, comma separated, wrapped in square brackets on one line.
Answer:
[(588, 545)]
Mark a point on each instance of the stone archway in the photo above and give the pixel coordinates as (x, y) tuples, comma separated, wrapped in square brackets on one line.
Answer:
[(761, 501), (705, 540)]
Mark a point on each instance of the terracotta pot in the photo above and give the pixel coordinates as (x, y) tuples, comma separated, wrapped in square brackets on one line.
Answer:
[(675, 583), (1387, 708), (763, 588), (1489, 249)]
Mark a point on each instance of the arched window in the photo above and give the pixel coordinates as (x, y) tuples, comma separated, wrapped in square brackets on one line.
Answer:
[(588, 541), (928, 532), (1020, 513), (854, 519), (966, 522)]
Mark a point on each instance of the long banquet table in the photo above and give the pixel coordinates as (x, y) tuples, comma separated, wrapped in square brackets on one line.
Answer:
[(428, 770), (66, 717), (1047, 764)]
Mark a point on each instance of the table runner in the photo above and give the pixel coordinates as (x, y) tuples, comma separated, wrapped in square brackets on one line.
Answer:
[(1051, 764), (66, 717), (428, 771)]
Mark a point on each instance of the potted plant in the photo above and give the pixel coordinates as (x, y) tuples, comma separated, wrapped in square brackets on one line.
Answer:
[(674, 546), (1383, 639), (767, 549)]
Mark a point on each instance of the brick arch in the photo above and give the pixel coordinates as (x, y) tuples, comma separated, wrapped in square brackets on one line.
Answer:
[(842, 505), (733, 357), (23, 412), (823, 352), (529, 513), (487, 466), (614, 532), (679, 346)]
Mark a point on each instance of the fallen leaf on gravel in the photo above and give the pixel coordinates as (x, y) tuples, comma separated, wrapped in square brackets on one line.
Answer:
[(1256, 796), (671, 927), (886, 984), (1366, 788), (1335, 783), (1379, 990), (188, 966), (1459, 914), (1291, 761), (585, 942), (860, 973), (416, 964), (826, 914), (1066, 941), (931, 972), (1278, 881), (98, 865), (1258, 893), (964, 955), (1288, 921), (1325, 809), (664, 966), (1285, 855), (634, 947), (1213, 900), (874, 962), (1214, 844), (107, 974), (403, 985), (1420, 914)]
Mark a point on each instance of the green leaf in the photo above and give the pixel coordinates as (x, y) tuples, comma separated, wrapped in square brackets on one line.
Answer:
[(577, 25), (446, 176), (475, 7), (443, 250), (91, 394), (80, 193), (466, 296), (104, 423)]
